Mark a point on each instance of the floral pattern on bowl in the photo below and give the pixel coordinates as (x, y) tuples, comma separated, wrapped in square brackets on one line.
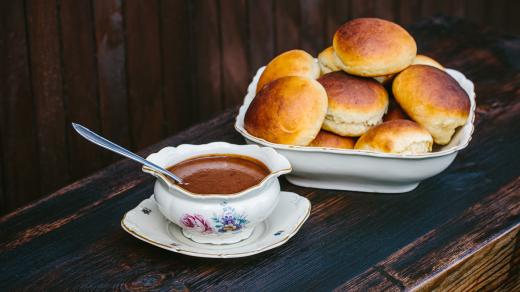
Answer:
[(229, 220), (196, 222)]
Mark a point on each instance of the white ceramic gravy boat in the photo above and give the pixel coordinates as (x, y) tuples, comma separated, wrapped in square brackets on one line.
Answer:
[(218, 219)]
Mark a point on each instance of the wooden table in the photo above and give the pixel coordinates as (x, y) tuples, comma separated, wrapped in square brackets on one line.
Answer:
[(456, 230)]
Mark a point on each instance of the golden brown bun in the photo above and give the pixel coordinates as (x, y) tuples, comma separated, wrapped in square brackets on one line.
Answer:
[(289, 110), (395, 112), (397, 136), (290, 63), (331, 140), (424, 60), (433, 99), (355, 103), (327, 61), (373, 47), (418, 60)]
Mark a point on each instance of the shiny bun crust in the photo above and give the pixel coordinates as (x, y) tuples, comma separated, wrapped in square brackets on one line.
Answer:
[(418, 60), (433, 99), (373, 47), (331, 140), (397, 136), (424, 60), (327, 61), (290, 63), (355, 103), (289, 110)]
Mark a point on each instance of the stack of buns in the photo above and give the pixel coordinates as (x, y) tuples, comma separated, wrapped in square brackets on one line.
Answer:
[(369, 90)]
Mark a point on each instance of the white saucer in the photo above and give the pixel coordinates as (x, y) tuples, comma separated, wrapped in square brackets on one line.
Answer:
[(147, 223)]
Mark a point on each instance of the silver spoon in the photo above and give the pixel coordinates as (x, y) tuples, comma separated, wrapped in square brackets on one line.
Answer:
[(100, 141)]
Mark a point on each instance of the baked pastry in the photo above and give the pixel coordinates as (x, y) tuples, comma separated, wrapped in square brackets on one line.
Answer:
[(433, 99), (289, 110), (373, 47), (424, 60), (418, 60), (331, 140), (397, 136), (395, 112), (327, 61), (290, 63), (355, 103)]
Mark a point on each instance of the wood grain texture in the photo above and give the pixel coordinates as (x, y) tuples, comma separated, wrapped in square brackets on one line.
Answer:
[(19, 144), (177, 59), (467, 252), (144, 72), (80, 90), (47, 90), (374, 280), (409, 11), (261, 33), (487, 268), (287, 25), (312, 27), (386, 9), (337, 13), (233, 33), (207, 74), (111, 66), (462, 222)]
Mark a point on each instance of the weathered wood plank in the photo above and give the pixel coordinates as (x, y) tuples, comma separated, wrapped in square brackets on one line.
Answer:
[(261, 33), (18, 136), (409, 11), (177, 57), (207, 71), (487, 268), (419, 266), (233, 24), (287, 25), (312, 27), (111, 66), (80, 84), (512, 282), (144, 72), (372, 280), (386, 9), (46, 78), (338, 12), (361, 8)]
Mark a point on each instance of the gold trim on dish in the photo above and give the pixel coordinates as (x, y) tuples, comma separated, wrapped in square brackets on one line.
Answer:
[(218, 196)]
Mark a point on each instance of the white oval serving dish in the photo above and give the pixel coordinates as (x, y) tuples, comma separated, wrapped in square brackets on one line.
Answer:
[(363, 170)]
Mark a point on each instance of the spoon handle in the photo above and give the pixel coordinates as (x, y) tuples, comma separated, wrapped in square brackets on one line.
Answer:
[(107, 144)]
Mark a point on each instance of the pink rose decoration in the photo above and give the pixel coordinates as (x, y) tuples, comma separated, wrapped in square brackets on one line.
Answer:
[(196, 222)]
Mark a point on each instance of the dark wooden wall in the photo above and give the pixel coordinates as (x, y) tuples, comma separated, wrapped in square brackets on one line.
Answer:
[(137, 71)]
